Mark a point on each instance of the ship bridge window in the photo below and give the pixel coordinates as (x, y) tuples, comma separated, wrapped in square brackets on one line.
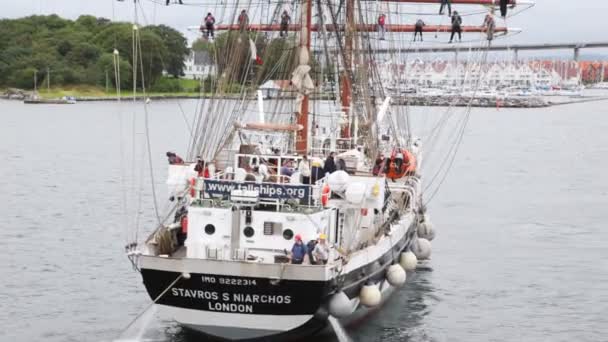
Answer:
[(210, 229), (248, 231)]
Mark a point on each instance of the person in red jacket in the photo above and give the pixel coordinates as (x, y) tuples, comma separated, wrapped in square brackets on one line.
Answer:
[(202, 168)]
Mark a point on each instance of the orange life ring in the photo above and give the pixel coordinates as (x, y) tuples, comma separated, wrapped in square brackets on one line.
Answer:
[(325, 195), (192, 189), (407, 168), (411, 168)]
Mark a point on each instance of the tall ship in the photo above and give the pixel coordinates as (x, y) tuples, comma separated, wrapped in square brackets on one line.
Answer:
[(302, 209)]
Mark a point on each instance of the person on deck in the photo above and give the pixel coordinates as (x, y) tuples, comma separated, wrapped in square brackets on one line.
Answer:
[(310, 247), (181, 217), (202, 168), (180, 2), (304, 169), (287, 168), (330, 164), (321, 251), (418, 29), (341, 165), (174, 159), (381, 27), (378, 165), (243, 20), (443, 4), (489, 25), (263, 171), (285, 19), (209, 22), (456, 26), (298, 251), (316, 171)]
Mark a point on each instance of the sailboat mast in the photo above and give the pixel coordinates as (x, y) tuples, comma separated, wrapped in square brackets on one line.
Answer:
[(345, 81), (304, 58)]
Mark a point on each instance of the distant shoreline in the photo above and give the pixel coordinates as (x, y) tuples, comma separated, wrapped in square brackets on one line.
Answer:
[(428, 101)]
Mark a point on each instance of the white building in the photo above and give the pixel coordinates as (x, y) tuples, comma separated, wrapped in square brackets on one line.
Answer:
[(442, 74), (275, 88), (199, 65)]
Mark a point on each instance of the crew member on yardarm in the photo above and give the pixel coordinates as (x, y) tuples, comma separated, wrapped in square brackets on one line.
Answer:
[(443, 4), (503, 8), (418, 29), (209, 22), (285, 19), (381, 27), (243, 20), (456, 26), (489, 25)]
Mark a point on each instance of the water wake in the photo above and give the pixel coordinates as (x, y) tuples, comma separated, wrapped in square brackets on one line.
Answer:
[(339, 330), (137, 330)]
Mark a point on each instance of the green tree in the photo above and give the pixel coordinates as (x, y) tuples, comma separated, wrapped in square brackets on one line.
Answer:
[(106, 64), (80, 51), (176, 49)]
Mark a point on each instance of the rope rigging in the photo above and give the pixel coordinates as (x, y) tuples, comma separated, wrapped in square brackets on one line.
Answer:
[(213, 128)]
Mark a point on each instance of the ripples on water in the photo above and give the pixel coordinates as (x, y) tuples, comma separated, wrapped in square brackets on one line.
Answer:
[(520, 253)]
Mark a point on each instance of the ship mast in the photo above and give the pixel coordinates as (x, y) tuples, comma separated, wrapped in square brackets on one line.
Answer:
[(350, 29), (304, 59), (345, 81)]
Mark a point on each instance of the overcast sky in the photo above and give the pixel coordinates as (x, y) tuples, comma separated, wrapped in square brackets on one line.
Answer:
[(549, 21)]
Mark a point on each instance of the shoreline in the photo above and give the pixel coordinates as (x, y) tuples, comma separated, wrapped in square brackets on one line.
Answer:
[(423, 101)]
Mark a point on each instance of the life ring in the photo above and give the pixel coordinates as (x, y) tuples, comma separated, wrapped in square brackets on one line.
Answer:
[(192, 188), (325, 195), (411, 168), (407, 167)]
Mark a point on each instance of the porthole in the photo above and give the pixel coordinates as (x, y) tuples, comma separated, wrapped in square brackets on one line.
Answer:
[(210, 229), (248, 231), (288, 234)]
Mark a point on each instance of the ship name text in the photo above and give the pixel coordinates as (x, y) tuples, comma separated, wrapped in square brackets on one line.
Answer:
[(231, 302)]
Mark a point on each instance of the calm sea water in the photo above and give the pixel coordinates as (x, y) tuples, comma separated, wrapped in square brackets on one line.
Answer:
[(520, 254)]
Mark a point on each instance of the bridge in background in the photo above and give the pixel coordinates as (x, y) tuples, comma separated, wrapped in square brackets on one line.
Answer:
[(515, 48)]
